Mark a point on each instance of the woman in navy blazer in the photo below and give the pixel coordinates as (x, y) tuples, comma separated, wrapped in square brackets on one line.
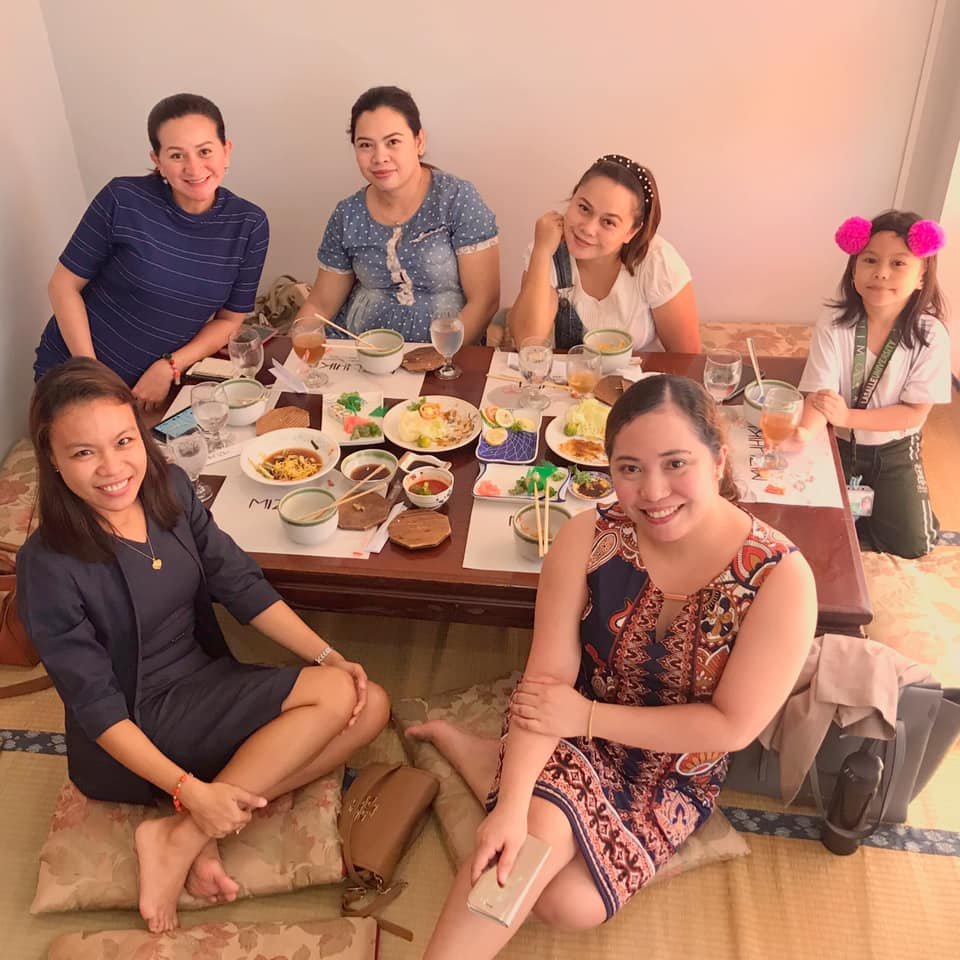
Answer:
[(115, 589)]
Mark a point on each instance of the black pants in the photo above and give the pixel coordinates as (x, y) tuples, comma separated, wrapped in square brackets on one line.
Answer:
[(903, 521)]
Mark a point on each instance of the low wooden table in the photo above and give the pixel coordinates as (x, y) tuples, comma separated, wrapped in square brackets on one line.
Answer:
[(433, 584)]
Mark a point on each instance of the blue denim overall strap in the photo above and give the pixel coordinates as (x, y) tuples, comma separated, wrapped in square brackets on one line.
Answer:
[(568, 328)]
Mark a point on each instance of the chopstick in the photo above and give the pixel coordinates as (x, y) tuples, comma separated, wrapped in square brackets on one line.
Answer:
[(317, 514), (756, 368), (512, 378), (536, 510), (348, 333)]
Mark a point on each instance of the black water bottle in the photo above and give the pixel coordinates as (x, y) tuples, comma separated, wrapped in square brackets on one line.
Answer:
[(846, 823)]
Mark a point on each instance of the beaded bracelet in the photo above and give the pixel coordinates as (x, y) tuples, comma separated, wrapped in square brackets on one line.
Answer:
[(322, 655), (173, 365), (177, 805)]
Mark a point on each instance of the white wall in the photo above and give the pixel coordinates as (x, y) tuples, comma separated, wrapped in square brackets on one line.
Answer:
[(41, 199), (766, 124)]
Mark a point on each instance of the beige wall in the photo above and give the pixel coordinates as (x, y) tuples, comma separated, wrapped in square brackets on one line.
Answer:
[(765, 123), (41, 199)]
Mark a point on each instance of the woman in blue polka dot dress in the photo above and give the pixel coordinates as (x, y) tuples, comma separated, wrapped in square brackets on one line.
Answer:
[(414, 244)]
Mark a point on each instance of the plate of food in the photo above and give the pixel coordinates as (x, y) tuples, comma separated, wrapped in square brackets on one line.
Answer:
[(354, 419), (509, 436), (578, 434), (504, 481), (285, 458), (591, 485), (432, 423)]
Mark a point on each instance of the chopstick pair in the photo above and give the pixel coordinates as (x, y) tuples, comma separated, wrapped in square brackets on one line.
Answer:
[(543, 527), (513, 378), (348, 333), (347, 498)]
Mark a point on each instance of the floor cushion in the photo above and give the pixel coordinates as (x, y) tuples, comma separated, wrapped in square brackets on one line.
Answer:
[(481, 708), (916, 608), (770, 339), (342, 939), (88, 862)]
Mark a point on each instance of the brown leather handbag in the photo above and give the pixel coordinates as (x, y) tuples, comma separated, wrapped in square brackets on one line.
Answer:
[(16, 650), (383, 811)]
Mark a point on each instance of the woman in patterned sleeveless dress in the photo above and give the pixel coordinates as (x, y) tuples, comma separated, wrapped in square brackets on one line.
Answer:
[(660, 644)]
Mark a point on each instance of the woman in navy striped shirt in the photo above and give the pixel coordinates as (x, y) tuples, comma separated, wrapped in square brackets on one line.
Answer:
[(162, 268)]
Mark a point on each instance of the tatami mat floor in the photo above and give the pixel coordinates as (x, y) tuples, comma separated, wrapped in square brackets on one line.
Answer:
[(788, 899)]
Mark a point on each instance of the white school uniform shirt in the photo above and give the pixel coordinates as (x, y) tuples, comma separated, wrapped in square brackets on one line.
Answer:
[(916, 375), (659, 277)]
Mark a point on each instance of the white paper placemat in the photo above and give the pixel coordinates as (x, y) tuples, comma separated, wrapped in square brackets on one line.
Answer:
[(500, 362), (810, 479), (343, 368)]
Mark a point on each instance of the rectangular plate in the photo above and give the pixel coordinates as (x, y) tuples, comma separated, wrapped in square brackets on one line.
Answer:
[(505, 475), (333, 427), (520, 446)]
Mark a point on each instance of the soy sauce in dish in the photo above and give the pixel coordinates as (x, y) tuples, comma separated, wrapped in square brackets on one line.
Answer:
[(366, 470)]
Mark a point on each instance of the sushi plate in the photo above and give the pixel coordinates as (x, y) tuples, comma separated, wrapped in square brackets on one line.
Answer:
[(496, 480)]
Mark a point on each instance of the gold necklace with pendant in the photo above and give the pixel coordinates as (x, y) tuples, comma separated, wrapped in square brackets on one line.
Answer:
[(155, 562)]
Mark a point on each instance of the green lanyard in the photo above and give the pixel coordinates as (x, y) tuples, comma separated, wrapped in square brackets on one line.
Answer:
[(861, 391)]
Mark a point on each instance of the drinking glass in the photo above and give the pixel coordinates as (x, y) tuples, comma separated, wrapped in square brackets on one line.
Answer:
[(211, 410), (778, 419), (310, 344), (721, 373), (246, 351), (190, 449), (583, 370), (536, 359), (446, 335)]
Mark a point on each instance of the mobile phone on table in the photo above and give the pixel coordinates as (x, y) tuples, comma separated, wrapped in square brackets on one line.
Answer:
[(176, 425), (488, 899)]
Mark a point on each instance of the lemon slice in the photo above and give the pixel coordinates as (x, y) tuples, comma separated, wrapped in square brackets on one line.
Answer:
[(524, 424), (495, 436), (503, 417)]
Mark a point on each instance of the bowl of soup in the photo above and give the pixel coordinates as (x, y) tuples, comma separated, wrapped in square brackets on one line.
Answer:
[(308, 515), (381, 351), (292, 457), (614, 347), (428, 487), (246, 400), (369, 467), (525, 528)]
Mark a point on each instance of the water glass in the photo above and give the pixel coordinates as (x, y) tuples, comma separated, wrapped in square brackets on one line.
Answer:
[(446, 335), (246, 351), (536, 359), (583, 370), (721, 373), (190, 449), (779, 417), (309, 337), (211, 410)]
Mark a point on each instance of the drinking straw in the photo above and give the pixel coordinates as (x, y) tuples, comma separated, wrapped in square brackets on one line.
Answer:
[(756, 368)]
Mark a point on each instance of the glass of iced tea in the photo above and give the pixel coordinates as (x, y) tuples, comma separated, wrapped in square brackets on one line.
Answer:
[(310, 344), (583, 370), (779, 417)]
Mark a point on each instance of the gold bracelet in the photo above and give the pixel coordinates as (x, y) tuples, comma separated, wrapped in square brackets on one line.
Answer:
[(593, 706)]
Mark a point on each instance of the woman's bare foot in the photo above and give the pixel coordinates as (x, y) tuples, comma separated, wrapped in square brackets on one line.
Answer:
[(474, 757), (165, 851), (208, 880)]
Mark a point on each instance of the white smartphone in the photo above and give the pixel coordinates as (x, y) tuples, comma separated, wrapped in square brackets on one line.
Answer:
[(488, 899)]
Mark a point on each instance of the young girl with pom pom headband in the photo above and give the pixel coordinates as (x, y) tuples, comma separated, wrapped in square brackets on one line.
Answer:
[(876, 367)]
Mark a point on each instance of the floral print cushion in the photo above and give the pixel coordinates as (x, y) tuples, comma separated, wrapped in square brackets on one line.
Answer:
[(343, 939), (18, 491), (770, 339), (480, 709), (916, 608), (88, 860)]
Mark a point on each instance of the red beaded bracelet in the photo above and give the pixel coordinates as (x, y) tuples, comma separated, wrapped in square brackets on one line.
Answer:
[(177, 805), (173, 364)]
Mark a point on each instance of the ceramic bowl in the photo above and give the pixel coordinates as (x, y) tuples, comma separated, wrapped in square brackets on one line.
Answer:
[(247, 400), (614, 347), (290, 438), (362, 458), (386, 356), (525, 528), (428, 501), (752, 405), (303, 503)]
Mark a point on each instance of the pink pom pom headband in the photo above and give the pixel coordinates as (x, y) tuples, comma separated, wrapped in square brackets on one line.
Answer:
[(924, 238)]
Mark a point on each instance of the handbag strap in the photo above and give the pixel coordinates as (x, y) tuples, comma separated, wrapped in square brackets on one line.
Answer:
[(381, 898), (25, 687)]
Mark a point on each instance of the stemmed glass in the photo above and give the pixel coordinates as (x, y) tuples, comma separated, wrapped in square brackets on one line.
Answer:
[(583, 370), (309, 338), (446, 335), (721, 373), (246, 351), (211, 410), (190, 449), (778, 419), (536, 359)]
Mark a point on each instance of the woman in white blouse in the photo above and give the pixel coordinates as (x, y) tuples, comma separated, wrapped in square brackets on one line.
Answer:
[(601, 265)]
